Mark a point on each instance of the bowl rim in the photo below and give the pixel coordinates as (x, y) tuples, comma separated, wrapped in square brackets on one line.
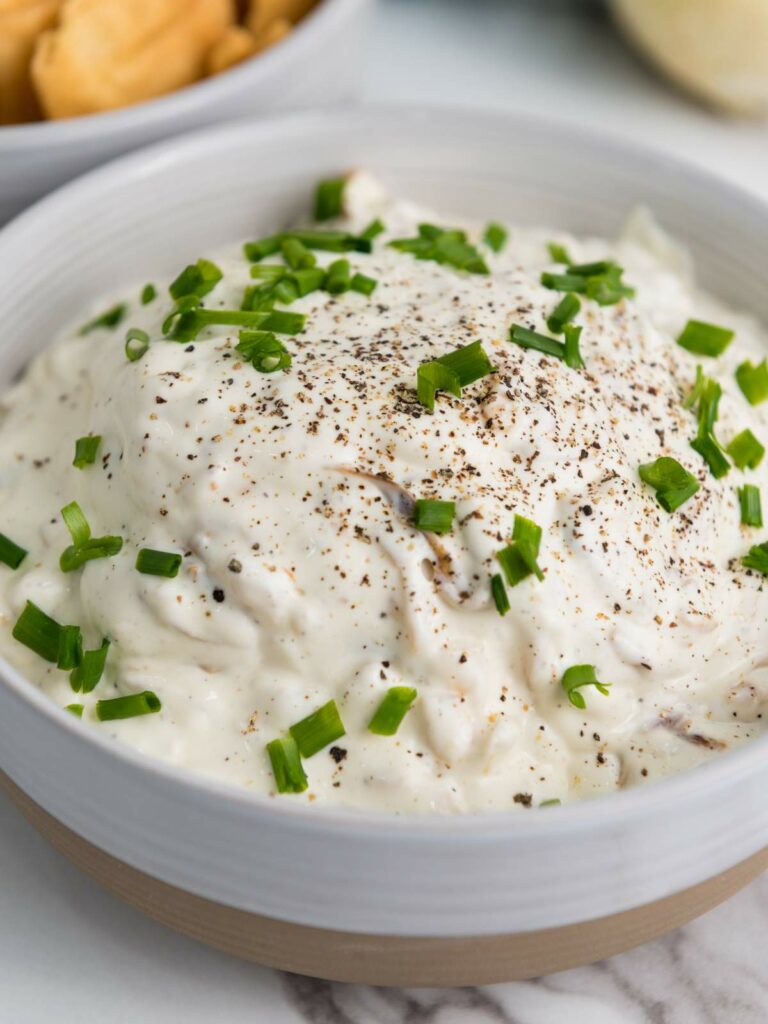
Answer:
[(638, 802), (35, 135)]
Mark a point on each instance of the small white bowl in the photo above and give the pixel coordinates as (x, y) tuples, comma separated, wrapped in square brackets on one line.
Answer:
[(316, 63), (364, 896)]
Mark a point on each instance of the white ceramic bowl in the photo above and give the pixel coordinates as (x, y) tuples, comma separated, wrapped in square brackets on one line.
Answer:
[(457, 883), (317, 63)]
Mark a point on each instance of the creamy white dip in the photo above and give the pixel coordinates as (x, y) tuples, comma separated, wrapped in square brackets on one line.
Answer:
[(302, 580)]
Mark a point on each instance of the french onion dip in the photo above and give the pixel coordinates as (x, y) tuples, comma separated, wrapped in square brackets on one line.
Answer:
[(396, 514)]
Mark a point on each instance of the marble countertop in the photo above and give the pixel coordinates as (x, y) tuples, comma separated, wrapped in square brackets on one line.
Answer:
[(72, 953)]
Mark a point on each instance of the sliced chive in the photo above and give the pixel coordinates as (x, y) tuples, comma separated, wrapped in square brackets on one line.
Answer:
[(705, 339), (712, 453), (392, 710), (554, 802), (673, 484), (76, 523), (452, 372), (264, 351), (374, 229), (563, 313), (434, 516), (512, 565), (260, 297), (75, 709), (270, 272), (708, 400), (448, 247), (433, 377), (601, 281), (499, 594), (146, 703), (282, 322), (746, 450), (186, 326), (572, 356), (318, 730), (297, 255), (148, 294), (38, 631), (77, 555), (750, 505), (87, 674), (255, 251), (330, 241), (526, 338), (196, 279), (578, 676), (753, 381), (136, 343), (110, 318), (337, 279), (287, 768), (85, 451), (495, 236), (11, 554), (518, 560), (558, 253), (70, 648), (565, 282), (757, 559), (706, 396), (363, 284), (158, 563), (692, 399), (307, 280), (329, 198)]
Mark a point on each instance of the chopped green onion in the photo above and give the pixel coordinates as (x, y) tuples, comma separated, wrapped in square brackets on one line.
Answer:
[(753, 381), (330, 241), (558, 253), (75, 709), (577, 676), (696, 391), (317, 730), (495, 236), (338, 277), (554, 802), (271, 272), (136, 343), (706, 396), (518, 560), (158, 563), (444, 246), (705, 339), (499, 594), (287, 768), (564, 282), (255, 251), (374, 229), (673, 484), (709, 449), (38, 631), (85, 451), (307, 280), (264, 350), (601, 281), (599, 268), (186, 326), (433, 377), (70, 647), (329, 198), (709, 397), (146, 703), (148, 294), (539, 342), (452, 372), (363, 284), (564, 311), (757, 559), (11, 554), (96, 547), (196, 279), (111, 318), (392, 710), (572, 356), (751, 508), (259, 297), (434, 516), (76, 523), (746, 450), (297, 255), (89, 671)]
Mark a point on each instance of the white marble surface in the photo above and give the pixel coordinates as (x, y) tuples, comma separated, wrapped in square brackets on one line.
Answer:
[(71, 953)]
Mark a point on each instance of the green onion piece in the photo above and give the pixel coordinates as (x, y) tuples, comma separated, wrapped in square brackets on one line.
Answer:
[(608, 288), (286, 291), (601, 281), (363, 284), (392, 710), (712, 453), (318, 729), (338, 277), (186, 304), (38, 631), (565, 282), (452, 372), (540, 342), (512, 565), (697, 390), (564, 311), (70, 647), (282, 322), (258, 297), (757, 559), (495, 236), (196, 279), (110, 318), (85, 451), (448, 247), (76, 523), (264, 350), (518, 560), (136, 343), (307, 280), (75, 709), (558, 253), (746, 450), (599, 268), (287, 768), (255, 251), (577, 676), (96, 547), (433, 377), (554, 802), (499, 594), (753, 381), (673, 484), (330, 241), (11, 554), (705, 339), (270, 272), (89, 671), (186, 326), (709, 396), (374, 229), (158, 563), (434, 516), (148, 294), (146, 703), (329, 198), (297, 255), (572, 356), (751, 507)]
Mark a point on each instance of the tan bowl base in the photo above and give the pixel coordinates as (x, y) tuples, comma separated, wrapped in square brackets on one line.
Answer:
[(384, 960)]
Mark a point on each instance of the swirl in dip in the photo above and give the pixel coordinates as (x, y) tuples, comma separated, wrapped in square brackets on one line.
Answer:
[(295, 499)]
